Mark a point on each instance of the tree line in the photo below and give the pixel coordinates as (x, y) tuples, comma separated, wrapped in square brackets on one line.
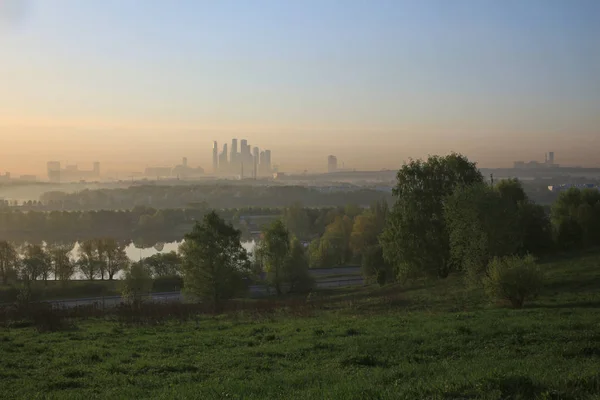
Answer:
[(210, 196)]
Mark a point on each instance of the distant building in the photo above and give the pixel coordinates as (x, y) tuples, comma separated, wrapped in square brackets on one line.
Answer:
[(332, 164), (5, 177), (28, 178), (53, 168), (255, 157), (215, 157), (548, 163), (268, 161), (234, 154), (223, 161)]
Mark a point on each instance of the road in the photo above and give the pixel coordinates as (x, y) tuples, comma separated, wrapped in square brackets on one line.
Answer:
[(255, 290)]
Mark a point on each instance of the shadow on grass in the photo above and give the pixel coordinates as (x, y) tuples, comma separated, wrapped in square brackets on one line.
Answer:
[(581, 304)]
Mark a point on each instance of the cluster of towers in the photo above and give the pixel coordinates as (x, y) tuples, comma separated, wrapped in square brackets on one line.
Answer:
[(250, 162)]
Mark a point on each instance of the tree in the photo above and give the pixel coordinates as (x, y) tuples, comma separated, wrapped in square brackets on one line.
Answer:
[(62, 265), (296, 268), (514, 279), (365, 232), (112, 257), (36, 263), (273, 250), (89, 262), (576, 218), (374, 266), (482, 224), (415, 240), (297, 221), (336, 240), (511, 190), (214, 261), (136, 283), (164, 264), (9, 261)]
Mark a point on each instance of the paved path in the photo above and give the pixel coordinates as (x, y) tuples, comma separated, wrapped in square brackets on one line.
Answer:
[(255, 290)]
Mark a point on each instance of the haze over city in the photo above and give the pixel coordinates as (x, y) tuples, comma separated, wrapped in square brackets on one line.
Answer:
[(144, 83)]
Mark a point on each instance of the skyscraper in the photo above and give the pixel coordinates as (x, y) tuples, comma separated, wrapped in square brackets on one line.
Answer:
[(233, 158), (331, 164), (223, 163), (255, 156), (96, 169), (268, 161), (215, 157)]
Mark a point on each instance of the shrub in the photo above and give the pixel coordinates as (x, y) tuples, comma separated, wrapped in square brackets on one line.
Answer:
[(137, 283), (514, 279)]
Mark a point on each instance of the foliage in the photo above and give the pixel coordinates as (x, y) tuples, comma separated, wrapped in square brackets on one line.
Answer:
[(63, 267), (89, 259), (416, 240), (283, 259), (514, 279), (9, 261), (576, 218), (273, 250), (482, 225), (36, 263), (136, 283), (214, 261), (296, 272), (374, 266), (297, 220), (164, 264)]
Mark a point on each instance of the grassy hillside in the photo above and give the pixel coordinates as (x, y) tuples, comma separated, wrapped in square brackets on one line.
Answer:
[(421, 340)]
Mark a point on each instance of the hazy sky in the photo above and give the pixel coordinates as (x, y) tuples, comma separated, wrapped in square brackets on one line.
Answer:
[(144, 82)]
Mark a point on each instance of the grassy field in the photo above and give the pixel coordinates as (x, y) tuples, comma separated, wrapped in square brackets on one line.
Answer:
[(421, 340)]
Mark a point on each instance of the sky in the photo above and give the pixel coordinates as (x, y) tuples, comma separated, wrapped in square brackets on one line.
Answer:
[(136, 83)]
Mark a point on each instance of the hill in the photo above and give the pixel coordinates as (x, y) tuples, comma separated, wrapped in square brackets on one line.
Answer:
[(420, 340)]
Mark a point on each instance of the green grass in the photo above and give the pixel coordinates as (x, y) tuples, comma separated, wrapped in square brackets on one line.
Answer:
[(423, 340)]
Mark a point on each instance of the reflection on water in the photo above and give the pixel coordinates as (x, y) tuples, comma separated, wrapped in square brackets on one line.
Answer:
[(137, 253)]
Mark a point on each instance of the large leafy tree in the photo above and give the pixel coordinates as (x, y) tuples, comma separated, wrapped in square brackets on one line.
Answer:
[(63, 266), (296, 268), (576, 218), (9, 261), (284, 259), (164, 264), (482, 224), (273, 251), (112, 257), (89, 260), (214, 262), (36, 263), (416, 239)]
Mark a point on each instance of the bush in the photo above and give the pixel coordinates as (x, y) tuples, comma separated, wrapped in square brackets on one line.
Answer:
[(514, 279), (136, 283)]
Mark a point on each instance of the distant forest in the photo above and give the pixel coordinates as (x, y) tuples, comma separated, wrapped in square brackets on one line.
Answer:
[(219, 196)]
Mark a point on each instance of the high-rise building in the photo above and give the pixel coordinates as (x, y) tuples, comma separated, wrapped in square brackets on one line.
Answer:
[(223, 163), (53, 171), (215, 157), (255, 156), (332, 164), (233, 158), (268, 161), (551, 158), (97, 169)]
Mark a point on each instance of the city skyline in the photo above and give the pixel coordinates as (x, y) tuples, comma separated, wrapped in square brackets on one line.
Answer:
[(374, 83)]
